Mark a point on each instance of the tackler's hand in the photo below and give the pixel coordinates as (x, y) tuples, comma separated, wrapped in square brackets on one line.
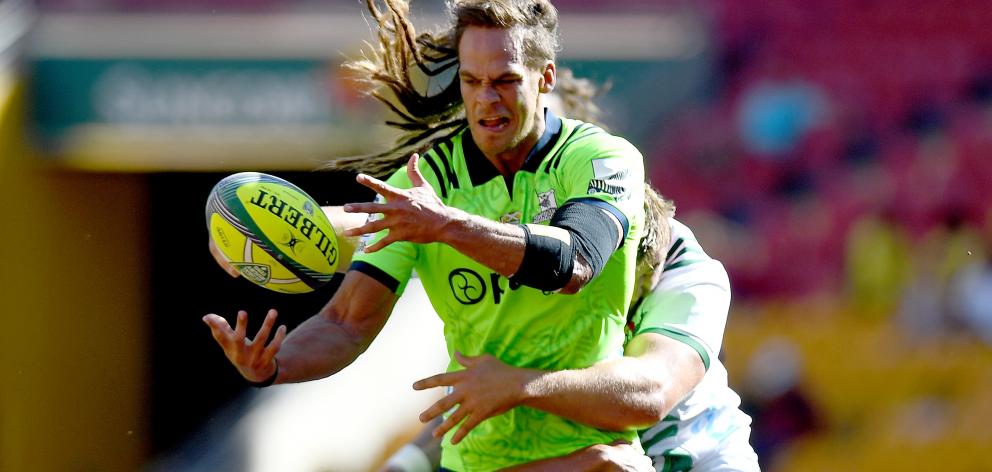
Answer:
[(485, 388)]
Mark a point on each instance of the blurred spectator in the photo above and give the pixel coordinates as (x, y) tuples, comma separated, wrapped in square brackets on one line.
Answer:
[(779, 407), (723, 238), (925, 116), (971, 293), (774, 116), (799, 225), (925, 303), (877, 263), (921, 314), (926, 184)]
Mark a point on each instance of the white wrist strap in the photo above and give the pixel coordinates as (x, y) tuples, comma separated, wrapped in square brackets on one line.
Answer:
[(410, 459)]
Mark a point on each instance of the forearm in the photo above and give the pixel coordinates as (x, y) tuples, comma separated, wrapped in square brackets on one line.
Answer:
[(499, 246), (634, 391), (620, 394), (331, 340), (316, 349)]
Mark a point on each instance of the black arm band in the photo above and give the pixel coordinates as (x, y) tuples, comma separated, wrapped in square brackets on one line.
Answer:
[(269, 381), (548, 262), (594, 232)]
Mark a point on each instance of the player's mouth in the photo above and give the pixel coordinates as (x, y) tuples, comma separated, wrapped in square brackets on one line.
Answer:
[(494, 124)]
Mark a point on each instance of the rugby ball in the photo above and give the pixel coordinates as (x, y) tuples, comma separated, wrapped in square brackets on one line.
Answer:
[(275, 234)]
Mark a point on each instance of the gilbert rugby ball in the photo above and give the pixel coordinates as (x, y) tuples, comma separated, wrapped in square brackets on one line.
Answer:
[(275, 234)]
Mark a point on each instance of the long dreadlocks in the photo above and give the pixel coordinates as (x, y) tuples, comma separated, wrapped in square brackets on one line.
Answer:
[(395, 68), (391, 69)]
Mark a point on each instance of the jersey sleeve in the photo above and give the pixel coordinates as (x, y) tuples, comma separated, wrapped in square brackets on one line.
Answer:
[(689, 304), (393, 264), (606, 171)]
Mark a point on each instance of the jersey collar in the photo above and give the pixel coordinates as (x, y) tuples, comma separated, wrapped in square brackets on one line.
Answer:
[(480, 170)]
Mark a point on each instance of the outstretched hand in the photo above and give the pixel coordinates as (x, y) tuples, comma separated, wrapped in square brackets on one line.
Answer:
[(252, 358), (415, 214), (485, 388)]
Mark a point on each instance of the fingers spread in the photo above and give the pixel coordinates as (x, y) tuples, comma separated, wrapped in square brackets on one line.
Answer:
[(215, 321), (438, 408), (219, 328), (439, 380), (368, 228), (379, 186), (366, 207), (413, 171), (387, 240), (470, 423), (258, 343), (241, 327), (450, 422), (273, 348)]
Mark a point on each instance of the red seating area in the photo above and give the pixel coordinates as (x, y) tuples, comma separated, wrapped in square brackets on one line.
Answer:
[(907, 131)]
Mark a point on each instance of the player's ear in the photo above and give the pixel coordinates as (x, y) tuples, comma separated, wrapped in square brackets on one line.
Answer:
[(548, 78)]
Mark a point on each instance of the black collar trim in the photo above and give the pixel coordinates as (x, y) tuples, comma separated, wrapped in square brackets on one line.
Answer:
[(480, 170)]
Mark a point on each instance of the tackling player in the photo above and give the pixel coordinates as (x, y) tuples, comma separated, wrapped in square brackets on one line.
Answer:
[(670, 382)]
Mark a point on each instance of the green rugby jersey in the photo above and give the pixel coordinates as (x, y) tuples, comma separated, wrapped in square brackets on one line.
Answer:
[(522, 326)]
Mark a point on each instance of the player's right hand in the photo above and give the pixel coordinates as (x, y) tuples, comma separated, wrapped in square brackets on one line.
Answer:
[(253, 359), (222, 260), (415, 214)]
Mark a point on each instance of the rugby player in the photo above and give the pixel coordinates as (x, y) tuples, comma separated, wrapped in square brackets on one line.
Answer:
[(522, 225)]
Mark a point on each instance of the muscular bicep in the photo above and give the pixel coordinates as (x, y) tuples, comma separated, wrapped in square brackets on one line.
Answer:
[(360, 306), (333, 338)]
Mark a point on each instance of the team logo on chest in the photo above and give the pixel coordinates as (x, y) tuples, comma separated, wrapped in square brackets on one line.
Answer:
[(548, 205)]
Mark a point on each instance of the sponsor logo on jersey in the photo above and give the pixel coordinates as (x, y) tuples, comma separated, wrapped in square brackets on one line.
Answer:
[(467, 286), (548, 205), (610, 177)]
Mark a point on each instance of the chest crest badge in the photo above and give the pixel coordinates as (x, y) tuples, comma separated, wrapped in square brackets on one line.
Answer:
[(547, 206), (510, 218)]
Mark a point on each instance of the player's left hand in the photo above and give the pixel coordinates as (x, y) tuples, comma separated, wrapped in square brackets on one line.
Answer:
[(485, 388), (620, 456), (415, 214)]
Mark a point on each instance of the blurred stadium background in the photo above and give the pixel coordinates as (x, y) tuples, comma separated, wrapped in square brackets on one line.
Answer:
[(835, 155)]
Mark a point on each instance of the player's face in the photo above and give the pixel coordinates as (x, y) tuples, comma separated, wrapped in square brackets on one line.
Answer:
[(501, 94)]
